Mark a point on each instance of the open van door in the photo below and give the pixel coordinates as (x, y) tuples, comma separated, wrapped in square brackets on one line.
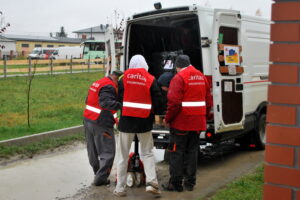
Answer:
[(110, 52), (227, 71)]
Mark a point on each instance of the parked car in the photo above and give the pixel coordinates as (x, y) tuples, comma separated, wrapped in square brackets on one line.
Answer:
[(42, 53), (68, 52)]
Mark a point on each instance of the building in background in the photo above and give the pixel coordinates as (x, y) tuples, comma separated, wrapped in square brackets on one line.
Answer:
[(7, 47), (92, 33), (24, 44)]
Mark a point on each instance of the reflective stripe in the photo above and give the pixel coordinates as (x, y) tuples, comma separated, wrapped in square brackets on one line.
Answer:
[(93, 109), (137, 105), (115, 115), (193, 104)]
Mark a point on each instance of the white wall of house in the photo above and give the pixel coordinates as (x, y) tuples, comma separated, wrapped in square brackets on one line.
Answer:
[(97, 36), (9, 46)]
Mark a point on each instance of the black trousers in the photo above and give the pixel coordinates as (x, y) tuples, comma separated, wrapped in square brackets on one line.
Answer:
[(183, 150), (101, 150)]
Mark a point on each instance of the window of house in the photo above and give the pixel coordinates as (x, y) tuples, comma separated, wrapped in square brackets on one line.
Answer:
[(50, 45), (25, 45), (37, 45)]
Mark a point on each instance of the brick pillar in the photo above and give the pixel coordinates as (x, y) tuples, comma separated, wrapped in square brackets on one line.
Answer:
[(282, 168)]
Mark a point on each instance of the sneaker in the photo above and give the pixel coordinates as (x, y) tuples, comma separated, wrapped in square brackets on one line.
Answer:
[(119, 194), (153, 188), (170, 187)]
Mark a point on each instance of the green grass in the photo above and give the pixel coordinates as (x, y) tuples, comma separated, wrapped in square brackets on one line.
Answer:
[(56, 102), (248, 187), (30, 150)]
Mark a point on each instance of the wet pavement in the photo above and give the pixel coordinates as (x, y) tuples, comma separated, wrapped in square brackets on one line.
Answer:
[(67, 175)]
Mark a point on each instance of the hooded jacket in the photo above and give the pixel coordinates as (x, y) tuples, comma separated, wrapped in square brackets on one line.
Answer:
[(129, 124)]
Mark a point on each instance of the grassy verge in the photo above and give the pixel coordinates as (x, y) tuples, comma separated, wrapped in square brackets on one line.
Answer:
[(248, 187), (57, 102), (30, 150)]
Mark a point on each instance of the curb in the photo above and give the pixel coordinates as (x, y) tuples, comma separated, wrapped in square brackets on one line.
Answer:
[(41, 136)]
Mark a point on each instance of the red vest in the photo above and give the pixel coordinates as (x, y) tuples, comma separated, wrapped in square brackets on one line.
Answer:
[(137, 97), (93, 109), (193, 102)]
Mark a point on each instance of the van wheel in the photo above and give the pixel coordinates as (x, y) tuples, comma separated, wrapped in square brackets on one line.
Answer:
[(260, 133)]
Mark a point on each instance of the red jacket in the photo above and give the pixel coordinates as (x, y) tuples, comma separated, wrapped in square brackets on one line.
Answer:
[(93, 109), (180, 94), (137, 97)]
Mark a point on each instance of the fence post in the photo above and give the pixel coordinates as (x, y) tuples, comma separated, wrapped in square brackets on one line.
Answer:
[(5, 66), (103, 63), (29, 66), (51, 66), (89, 64), (71, 65)]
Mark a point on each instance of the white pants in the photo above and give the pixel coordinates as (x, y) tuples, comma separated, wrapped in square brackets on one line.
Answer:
[(146, 146)]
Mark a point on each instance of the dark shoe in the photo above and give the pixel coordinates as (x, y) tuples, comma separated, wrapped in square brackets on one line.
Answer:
[(189, 187), (100, 183), (170, 187)]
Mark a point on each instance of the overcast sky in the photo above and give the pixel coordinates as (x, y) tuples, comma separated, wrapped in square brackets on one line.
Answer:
[(40, 17)]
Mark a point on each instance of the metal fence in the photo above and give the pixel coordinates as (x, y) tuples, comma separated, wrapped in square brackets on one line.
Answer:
[(9, 68)]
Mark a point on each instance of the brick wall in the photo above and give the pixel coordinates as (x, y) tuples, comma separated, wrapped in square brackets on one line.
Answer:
[(282, 168)]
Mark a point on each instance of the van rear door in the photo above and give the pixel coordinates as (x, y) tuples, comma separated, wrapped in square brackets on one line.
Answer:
[(227, 71), (110, 52)]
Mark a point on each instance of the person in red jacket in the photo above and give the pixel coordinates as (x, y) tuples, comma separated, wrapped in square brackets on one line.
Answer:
[(99, 119), (189, 101), (141, 100)]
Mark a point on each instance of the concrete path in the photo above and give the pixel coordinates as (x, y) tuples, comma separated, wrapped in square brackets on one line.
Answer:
[(67, 175)]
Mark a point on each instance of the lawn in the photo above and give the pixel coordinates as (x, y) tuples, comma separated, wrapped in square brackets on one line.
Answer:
[(249, 187), (56, 102)]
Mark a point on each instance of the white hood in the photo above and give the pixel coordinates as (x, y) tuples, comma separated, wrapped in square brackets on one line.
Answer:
[(138, 61)]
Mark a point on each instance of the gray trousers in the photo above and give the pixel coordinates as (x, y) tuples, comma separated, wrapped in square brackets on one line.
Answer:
[(101, 150)]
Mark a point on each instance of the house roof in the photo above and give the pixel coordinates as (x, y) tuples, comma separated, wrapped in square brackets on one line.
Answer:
[(42, 38), (3, 39), (95, 29)]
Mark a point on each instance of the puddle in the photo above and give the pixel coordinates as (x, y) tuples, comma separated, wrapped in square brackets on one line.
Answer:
[(54, 176), (50, 177)]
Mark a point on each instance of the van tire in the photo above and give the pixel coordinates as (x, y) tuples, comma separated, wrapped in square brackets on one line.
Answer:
[(260, 132)]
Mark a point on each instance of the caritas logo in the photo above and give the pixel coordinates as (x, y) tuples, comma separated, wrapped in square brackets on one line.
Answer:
[(136, 76)]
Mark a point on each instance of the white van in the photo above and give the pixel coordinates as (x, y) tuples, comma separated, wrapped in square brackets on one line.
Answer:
[(42, 53), (68, 52), (231, 49)]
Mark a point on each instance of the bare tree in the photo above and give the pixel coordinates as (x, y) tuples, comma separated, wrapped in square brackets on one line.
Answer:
[(3, 27), (29, 80), (62, 32)]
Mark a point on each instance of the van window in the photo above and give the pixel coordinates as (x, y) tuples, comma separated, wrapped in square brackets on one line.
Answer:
[(228, 35), (95, 46), (164, 38)]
